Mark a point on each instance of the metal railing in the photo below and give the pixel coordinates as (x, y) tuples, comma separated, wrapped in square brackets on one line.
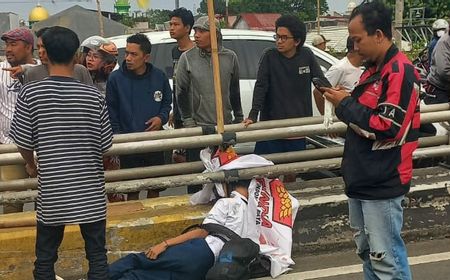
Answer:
[(183, 174)]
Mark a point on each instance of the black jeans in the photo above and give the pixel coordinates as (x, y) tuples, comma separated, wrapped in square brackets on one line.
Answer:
[(436, 95), (49, 238)]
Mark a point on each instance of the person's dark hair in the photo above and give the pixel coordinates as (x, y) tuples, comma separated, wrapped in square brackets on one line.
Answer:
[(240, 183), (41, 31), (375, 16), (61, 44), (294, 25), (350, 45), (142, 41), (185, 15)]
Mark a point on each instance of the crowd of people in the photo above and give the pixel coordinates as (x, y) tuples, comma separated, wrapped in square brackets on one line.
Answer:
[(62, 110)]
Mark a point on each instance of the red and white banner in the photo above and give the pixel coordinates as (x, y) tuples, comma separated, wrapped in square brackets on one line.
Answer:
[(271, 209)]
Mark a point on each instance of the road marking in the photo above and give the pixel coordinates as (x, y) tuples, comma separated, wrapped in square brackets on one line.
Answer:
[(350, 269)]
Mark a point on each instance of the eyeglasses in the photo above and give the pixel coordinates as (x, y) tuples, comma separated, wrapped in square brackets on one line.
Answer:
[(93, 56), (283, 38)]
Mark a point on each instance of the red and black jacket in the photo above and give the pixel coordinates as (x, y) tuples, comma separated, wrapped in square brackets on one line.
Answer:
[(383, 121)]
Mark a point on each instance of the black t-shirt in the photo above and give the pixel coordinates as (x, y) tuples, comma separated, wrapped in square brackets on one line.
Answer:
[(176, 54), (283, 85)]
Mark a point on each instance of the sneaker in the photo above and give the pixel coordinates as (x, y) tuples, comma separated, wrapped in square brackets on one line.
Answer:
[(58, 278)]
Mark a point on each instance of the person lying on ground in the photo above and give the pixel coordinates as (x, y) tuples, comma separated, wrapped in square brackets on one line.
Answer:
[(188, 256)]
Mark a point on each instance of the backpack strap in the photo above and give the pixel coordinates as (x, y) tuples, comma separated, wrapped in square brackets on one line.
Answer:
[(220, 231), (223, 233)]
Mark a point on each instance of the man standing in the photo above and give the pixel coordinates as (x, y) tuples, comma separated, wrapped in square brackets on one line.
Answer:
[(283, 84), (320, 42), (195, 84), (18, 50), (345, 73), (139, 99), (439, 27), (66, 123), (383, 120), (39, 72), (438, 87), (181, 22)]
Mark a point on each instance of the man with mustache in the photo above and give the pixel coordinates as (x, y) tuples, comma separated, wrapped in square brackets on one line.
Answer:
[(18, 50)]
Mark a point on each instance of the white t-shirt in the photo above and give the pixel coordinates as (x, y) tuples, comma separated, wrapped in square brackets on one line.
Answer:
[(344, 73), (230, 212)]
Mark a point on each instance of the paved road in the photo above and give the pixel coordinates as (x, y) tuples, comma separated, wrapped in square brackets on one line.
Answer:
[(429, 260)]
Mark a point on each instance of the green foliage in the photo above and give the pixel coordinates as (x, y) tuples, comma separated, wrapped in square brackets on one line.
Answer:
[(416, 49), (305, 9), (127, 20), (433, 8), (157, 17), (153, 17)]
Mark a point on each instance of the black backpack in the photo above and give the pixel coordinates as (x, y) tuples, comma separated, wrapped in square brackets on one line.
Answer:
[(239, 258)]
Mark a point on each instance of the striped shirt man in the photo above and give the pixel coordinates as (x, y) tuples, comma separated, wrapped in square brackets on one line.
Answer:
[(9, 90), (67, 124)]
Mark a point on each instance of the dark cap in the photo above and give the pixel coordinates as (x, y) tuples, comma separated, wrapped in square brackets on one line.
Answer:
[(19, 34), (203, 23)]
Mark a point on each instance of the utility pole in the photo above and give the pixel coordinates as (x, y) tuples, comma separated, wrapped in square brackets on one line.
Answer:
[(100, 19), (318, 16), (399, 5), (177, 4), (226, 14)]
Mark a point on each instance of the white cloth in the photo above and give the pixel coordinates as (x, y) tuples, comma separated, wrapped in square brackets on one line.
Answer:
[(344, 74), (231, 213), (271, 210), (212, 165)]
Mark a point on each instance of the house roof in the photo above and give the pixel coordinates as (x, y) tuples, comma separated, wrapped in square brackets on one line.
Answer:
[(259, 21)]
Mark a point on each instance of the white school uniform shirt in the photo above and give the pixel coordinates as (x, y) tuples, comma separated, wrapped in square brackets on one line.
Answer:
[(9, 91), (342, 73), (230, 212)]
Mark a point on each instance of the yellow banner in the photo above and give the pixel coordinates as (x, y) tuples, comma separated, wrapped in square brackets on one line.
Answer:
[(143, 4)]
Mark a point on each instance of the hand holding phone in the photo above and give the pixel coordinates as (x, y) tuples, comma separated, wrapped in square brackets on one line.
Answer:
[(321, 82)]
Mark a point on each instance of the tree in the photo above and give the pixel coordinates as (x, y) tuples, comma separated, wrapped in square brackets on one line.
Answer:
[(433, 8), (305, 9), (157, 16), (219, 7)]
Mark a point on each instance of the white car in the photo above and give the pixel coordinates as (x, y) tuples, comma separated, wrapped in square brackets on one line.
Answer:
[(248, 46)]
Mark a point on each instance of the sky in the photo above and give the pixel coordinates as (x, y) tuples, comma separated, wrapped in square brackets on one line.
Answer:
[(23, 7)]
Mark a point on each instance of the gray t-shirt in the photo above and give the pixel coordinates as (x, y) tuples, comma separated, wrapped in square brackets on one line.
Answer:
[(40, 72)]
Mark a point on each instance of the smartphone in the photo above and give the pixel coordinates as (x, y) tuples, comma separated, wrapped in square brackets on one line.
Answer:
[(321, 82)]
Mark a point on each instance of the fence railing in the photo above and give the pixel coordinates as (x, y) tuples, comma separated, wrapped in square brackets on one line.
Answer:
[(183, 174)]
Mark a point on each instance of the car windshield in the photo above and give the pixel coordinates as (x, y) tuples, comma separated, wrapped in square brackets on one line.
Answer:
[(248, 52)]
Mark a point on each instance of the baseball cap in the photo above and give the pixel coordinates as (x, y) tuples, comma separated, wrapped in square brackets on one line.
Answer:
[(203, 23), (319, 39), (19, 34)]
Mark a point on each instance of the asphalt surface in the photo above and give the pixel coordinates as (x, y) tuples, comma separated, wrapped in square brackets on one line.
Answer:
[(429, 260)]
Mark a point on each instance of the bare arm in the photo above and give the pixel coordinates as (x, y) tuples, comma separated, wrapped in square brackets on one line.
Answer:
[(28, 156), (156, 250), (320, 104)]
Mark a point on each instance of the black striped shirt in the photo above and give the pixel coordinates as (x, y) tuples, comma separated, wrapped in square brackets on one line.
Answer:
[(67, 124)]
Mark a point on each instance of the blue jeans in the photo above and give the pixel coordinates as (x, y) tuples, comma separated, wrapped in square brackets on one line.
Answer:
[(280, 146), (189, 260), (378, 225)]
